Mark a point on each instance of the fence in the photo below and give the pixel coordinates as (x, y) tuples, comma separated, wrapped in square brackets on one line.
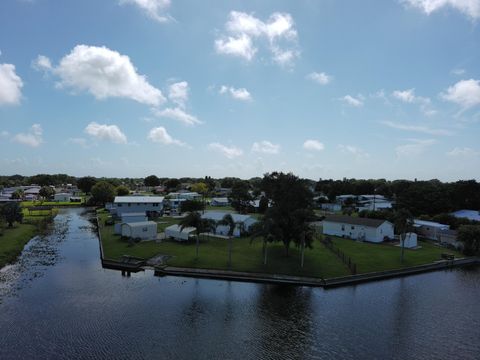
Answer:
[(327, 241)]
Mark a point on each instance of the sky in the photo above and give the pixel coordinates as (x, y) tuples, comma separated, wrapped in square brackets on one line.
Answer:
[(178, 88)]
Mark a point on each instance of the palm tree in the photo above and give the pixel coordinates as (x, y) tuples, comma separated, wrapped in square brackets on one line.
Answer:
[(194, 219), (267, 229), (403, 222), (228, 221)]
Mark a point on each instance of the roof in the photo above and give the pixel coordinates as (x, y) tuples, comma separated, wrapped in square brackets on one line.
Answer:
[(355, 220), (468, 214), (141, 223), (133, 214), (176, 227), (220, 199), (217, 216), (433, 224), (138, 199)]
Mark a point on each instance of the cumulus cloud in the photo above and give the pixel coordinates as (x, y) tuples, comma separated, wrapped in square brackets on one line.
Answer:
[(470, 8), (320, 78), (465, 93), (313, 145), (227, 151), (160, 135), (266, 147), (417, 128), (10, 85), (106, 132), (153, 8), (31, 138), (241, 94), (104, 73), (244, 30), (352, 101), (78, 141), (353, 150), (414, 147), (178, 93), (408, 96), (463, 152), (178, 114)]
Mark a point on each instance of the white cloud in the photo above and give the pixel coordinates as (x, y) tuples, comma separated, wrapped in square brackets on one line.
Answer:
[(228, 151), (417, 128), (409, 96), (353, 150), (78, 141), (104, 73), (178, 93), (106, 132), (10, 85), (4, 134), (405, 95), (265, 147), (471, 8), (458, 71), (243, 29), (153, 8), (320, 78), (314, 145), (32, 138), (465, 93), (414, 147), (241, 94), (463, 152), (42, 63), (160, 135), (178, 114), (350, 100)]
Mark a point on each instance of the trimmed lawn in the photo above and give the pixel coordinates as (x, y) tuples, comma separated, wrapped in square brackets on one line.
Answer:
[(51, 203), (13, 241), (378, 257)]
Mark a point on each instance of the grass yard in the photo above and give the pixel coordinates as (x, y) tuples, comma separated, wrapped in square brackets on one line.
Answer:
[(13, 240), (378, 257), (25, 204)]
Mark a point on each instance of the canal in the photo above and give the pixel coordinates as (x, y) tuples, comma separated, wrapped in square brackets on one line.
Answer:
[(57, 302)]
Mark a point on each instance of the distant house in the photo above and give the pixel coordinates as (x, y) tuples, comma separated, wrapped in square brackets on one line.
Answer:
[(243, 222), (467, 214), (372, 230), (184, 195), (145, 230), (429, 229), (177, 233), (331, 207), (449, 237), (220, 201), (62, 197), (342, 199), (150, 205)]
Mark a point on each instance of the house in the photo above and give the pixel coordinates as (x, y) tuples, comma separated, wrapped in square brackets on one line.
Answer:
[(429, 229), (467, 214), (150, 205), (449, 237), (372, 230), (220, 201), (145, 230), (62, 197), (176, 232), (410, 241), (243, 222), (342, 199), (331, 207), (184, 195), (373, 202)]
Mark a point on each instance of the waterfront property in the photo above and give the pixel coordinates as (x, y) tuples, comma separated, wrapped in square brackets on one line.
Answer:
[(242, 222), (151, 205), (176, 232), (429, 229), (364, 229), (145, 230)]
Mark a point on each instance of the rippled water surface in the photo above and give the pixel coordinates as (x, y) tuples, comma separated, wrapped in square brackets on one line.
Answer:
[(57, 302)]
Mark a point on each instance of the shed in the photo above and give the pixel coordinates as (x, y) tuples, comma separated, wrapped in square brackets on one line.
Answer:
[(410, 241), (176, 232), (145, 230)]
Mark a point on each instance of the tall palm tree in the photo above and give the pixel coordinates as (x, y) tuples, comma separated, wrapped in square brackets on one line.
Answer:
[(266, 229), (228, 221), (194, 219), (403, 222)]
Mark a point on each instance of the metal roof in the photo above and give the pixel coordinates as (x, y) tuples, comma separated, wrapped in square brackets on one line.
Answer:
[(217, 216), (138, 199), (140, 223), (344, 219)]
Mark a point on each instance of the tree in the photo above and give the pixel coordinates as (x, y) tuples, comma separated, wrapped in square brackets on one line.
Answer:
[(263, 205), (194, 219), (267, 230), (291, 211), (152, 181), (86, 183), (403, 221), (46, 192), (172, 184), (103, 192), (11, 212), (469, 235), (191, 205), (240, 197), (228, 221), (202, 189), (122, 190), (18, 194)]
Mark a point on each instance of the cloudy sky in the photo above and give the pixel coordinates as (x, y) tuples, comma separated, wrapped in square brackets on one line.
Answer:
[(326, 89)]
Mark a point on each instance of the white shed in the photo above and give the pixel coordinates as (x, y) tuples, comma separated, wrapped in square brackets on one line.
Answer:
[(179, 234), (357, 228), (410, 240), (145, 230)]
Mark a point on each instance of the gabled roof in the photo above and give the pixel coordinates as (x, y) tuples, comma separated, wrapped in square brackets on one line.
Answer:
[(138, 199), (344, 219), (217, 216)]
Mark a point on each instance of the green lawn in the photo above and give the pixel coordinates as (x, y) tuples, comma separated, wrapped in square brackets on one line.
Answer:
[(378, 257), (51, 203), (13, 240)]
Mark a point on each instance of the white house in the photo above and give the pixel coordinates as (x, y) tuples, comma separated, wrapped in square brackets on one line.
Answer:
[(467, 214), (331, 207), (62, 197), (372, 230), (129, 218), (220, 201), (184, 195), (429, 229), (176, 232), (241, 221), (410, 240), (135, 204), (373, 202), (145, 230)]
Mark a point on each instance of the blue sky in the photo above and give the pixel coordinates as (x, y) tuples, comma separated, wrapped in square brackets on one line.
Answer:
[(325, 89)]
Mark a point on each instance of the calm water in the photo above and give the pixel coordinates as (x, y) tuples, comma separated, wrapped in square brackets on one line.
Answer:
[(57, 302)]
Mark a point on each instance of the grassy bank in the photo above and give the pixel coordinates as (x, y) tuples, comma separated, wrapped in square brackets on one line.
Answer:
[(13, 240)]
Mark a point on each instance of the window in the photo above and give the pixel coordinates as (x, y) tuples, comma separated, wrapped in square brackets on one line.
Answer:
[(343, 227), (129, 204), (353, 227)]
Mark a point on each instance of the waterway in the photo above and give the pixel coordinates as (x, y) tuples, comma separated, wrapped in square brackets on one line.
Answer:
[(57, 302)]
